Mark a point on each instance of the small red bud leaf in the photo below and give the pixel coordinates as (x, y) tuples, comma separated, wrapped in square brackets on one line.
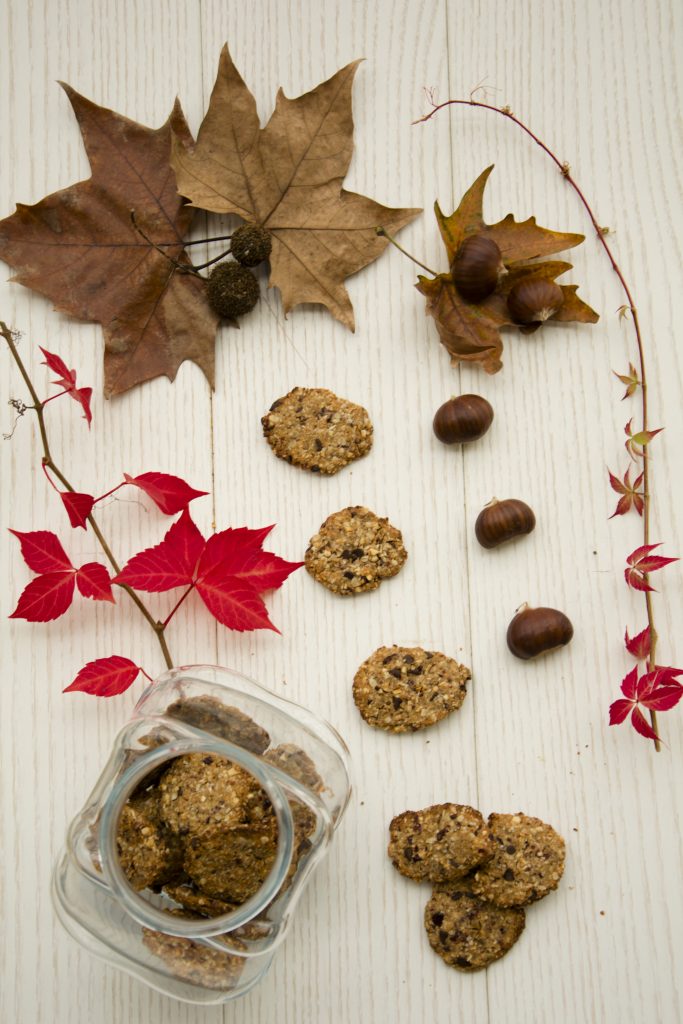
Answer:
[(93, 581), (233, 602), (630, 379), (642, 562), (641, 726), (42, 551), (46, 597), (57, 365), (105, 677), (631, 496), (639, 645), (644, 437), (78, 507), (169, 493), (629, 683), (619, 711), (637, 581)]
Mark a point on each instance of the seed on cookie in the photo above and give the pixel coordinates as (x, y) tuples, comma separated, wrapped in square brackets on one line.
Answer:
[(527, 862), (441, 843), (354, 550), (466, 932), (403, 689), (314, 429)]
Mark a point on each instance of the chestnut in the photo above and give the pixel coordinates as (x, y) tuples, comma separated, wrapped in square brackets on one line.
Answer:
[(500, 521), (463, 419), (477, 267), (535, 631), (534, 300)]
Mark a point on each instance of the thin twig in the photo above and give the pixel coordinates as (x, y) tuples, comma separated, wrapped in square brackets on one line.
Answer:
[(182, 267), (385, 234), (48, 463), (565, 170)]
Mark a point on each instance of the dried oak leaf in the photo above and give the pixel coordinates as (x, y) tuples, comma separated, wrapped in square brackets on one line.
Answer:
[(79, 248), (471, 331), (288, 178)]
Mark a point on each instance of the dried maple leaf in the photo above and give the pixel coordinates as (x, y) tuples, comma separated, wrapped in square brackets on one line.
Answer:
[(79, 248), (288, 177), (471, 331)]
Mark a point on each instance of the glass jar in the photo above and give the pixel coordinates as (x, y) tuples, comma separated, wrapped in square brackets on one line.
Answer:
[(161, 810)]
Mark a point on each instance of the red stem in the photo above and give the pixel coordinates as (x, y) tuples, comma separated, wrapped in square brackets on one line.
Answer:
[(107, 494), (566, 174), (177, 605), (52, 398)]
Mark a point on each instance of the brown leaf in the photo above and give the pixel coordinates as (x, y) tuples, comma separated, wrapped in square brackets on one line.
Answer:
[(79, 248), (288, 177), (471, 331)]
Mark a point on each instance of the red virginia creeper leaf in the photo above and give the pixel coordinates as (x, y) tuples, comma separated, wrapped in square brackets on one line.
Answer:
[(637, 580), (46, 597), (82, 396), (642, 726), (78, 507), (42, 551), (654, 562), (663, 698), (619, 711), (629, 683), (630, 380), (169, 493), (644, 437), (631, 496), (639, 645), (105, 677), (233, 602), (266, 571), (93, 581), (232, 547), (67, 377), (168, 564)]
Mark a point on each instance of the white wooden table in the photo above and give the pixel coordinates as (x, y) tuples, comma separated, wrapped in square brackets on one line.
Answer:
[(602, 84)]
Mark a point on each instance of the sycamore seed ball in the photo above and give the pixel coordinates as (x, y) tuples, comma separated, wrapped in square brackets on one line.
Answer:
[(232, 290), (251, 244)]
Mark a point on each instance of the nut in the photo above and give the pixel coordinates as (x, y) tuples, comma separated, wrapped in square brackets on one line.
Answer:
[(477, 267), (463, 419), (535, 631), (500, 521), (534, 300)]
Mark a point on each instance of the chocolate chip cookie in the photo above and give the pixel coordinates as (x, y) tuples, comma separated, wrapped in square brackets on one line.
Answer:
[(439, 843), (314, 429), (527, 862), (466, 932), (354, 550)]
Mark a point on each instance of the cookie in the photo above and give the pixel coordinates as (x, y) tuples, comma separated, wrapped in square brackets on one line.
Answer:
[(466, 932), (440, 843), (354, 550), (403, 689), (221, 720), (192, 961), (149, 853), (231, 864), (295, 762), (197, 902), (527, 862), (313, 429), (203, 791)]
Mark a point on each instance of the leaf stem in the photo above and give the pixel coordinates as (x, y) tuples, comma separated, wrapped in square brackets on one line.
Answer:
[(601, 234), (189, 269), (49, 463), (385, 234), (177, 605)]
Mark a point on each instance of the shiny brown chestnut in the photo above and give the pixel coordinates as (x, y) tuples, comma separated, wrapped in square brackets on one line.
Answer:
[(535, 631), (500, 521), (534, 300), (463, 419), (477, 267)]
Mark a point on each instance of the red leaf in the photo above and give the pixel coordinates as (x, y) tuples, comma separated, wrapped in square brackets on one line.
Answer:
[(232, 548), (46, 597), (629, 683), (105, 677), (616, 483), (619, 710), (654, 562), (169, 493), (168, 564), (78, 506), (42, 551), (82, 396), (636, 580), (635, 556), (93, 581), (644, 437), (58, 366), (642, 726), (639, 645), (664, 697), (631, 496), (266, 571), (233, 602)]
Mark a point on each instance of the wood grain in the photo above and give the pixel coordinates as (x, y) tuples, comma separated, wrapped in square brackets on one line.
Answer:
[(602, 85)]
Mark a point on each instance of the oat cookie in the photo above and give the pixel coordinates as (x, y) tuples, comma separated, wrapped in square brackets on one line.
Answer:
[(197, 902), (527, 862), (403, 689), (355, 550), (440, 843), (312, 428), (295, 762), (466, 932), (149, 853), (232, 863), (203, 791), (193, 961), (221, 720)]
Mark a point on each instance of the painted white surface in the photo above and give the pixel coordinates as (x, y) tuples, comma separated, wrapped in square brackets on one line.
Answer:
[(602, 84)]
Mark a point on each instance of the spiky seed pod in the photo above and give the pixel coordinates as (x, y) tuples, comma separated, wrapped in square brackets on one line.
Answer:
[(232, 290), (251, 244)]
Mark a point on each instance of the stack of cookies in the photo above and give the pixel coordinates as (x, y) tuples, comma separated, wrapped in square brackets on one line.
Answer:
[(484, 873)]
